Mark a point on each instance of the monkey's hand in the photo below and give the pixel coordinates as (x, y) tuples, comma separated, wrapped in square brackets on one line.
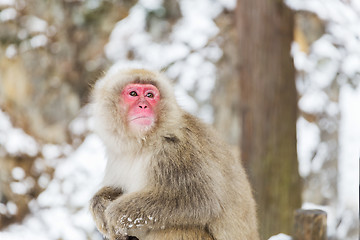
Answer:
[(128, 215), (137, 214), (98, 204)]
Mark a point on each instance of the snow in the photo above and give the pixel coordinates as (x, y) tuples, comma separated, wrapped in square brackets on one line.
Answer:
[(18, 188), (335, 10), (151, 4), (5, 122), (186, 55), (19, 142), (38, 41), (11, 51), (336, 55), (14, 140), (44, 180), (7, 2), (350, 65), (61, 211), (280, 236), (202, 11), (36, 25), (51, 151), (314, 101), (3, 209), (18, 173), (129, 33), (7, 14), (323, 47), (195, 35), (53, 214), (308, 138), (93, 4), (11, 208), (185, 101), (349, 148)]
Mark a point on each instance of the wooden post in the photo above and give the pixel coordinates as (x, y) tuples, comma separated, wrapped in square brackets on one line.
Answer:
[(310, 225)]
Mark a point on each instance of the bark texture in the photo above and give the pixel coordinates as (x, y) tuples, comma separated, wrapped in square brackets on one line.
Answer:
[(268, 102)]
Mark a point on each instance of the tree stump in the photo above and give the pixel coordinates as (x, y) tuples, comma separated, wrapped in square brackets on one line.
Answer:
[(310, 225)]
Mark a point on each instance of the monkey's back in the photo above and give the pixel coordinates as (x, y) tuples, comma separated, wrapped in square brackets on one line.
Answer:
[(205, 161)]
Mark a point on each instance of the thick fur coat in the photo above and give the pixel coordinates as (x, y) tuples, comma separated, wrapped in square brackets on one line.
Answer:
[(175, 181)]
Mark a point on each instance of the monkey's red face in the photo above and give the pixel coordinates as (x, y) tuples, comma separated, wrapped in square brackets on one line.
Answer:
[(140, 103)]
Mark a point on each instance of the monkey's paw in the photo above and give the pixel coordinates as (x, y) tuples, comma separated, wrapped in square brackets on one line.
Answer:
[(115, 221), (97, 210), (123, 223)]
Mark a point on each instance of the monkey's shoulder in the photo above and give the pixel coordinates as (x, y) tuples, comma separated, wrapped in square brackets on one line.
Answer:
[(200, 130), (194, 134), (189, 128)]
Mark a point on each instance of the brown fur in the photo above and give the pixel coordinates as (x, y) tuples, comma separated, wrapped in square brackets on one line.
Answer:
[(194, 188)]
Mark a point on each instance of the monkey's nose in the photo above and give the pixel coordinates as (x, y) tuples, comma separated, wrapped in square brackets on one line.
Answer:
[(142, 106)]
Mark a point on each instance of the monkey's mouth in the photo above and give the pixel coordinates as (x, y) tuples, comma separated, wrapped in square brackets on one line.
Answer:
[(142, 121)]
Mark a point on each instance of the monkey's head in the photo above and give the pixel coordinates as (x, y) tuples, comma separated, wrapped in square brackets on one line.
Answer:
[(133, 104)]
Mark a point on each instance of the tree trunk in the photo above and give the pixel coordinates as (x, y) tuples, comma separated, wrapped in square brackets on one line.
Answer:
[(269, 111)]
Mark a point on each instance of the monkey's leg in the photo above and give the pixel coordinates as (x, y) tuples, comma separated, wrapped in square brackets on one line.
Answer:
[(189, 233), (99, 202)]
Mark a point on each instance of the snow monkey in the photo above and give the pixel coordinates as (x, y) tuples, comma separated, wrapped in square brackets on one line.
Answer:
[(168, 175)]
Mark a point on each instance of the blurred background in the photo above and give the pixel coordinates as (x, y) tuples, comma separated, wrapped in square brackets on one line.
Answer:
[(278, 80)]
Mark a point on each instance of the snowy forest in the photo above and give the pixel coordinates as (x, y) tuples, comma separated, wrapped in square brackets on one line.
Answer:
[(279, 81)]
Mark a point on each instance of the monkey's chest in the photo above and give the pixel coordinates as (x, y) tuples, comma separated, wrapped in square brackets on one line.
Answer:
[(128, 174)]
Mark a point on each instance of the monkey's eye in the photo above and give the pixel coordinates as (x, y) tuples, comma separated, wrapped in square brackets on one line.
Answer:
[(133, 94), (150, 95)]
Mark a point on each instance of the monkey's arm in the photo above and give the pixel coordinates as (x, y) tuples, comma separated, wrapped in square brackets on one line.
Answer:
[(99, 202), (180, 194), (137, 213)]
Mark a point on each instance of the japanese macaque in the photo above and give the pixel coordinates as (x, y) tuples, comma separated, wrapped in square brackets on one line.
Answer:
[(168, 175)]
